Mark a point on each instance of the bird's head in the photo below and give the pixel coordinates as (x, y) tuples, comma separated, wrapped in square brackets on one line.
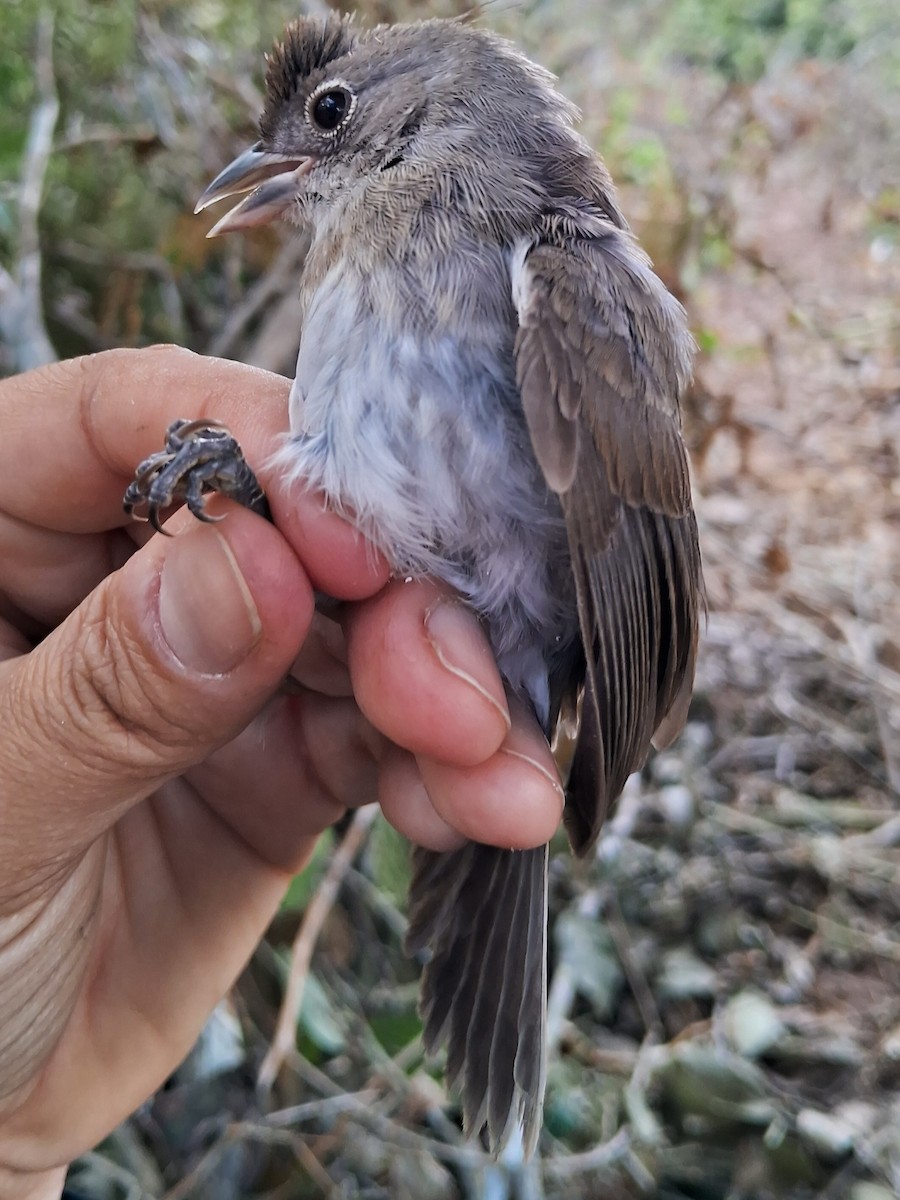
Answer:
[(344, 104)]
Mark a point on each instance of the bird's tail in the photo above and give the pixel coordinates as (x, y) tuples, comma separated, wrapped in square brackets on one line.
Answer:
[(481, 914)]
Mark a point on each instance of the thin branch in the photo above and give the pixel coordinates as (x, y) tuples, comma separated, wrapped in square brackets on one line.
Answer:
[(273, 284), (634, 972), (186, 1185), (562, 987), (107, 135), (607, 1154), (316, 1110), (140, 262), (304, 943), (467, 1156)]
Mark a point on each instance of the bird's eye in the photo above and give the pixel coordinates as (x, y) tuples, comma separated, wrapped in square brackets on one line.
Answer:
[(329, 108)]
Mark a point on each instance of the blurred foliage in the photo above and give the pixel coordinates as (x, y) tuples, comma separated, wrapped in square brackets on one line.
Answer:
[(743, 39), (156, 96), (140, 122)]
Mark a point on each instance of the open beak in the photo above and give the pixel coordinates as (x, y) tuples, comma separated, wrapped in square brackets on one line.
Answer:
[(271, 179)]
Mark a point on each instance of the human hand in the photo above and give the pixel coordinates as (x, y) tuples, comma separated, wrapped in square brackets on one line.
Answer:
[(157, 787)]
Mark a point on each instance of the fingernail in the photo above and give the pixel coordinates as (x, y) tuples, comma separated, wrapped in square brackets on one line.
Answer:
[(550, 776), (206, 611), (449, 627)]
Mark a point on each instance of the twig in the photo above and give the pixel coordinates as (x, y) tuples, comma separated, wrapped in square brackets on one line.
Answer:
[(390, 1069), (271, 1131), (274, 283), (222, 74), (607, 1154), (314, 1170), (880, 944), (634, 973), (808, 633), (304, 943), (273, 346), (380, 904), (107, 135), (860, 637), (204, 1167), (140, 262), (562, 988), (314, 1110), (761, 752), (884, 835), (606, 1060), (261, 1132), (67, 311), (468, 1156)]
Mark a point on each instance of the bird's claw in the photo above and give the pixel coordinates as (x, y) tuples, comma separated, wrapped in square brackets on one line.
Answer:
[(199, 457)]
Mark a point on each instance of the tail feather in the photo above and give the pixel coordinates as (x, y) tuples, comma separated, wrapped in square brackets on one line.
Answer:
[(484, 990)]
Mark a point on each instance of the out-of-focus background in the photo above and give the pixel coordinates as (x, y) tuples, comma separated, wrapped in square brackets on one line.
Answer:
[(725, 974)]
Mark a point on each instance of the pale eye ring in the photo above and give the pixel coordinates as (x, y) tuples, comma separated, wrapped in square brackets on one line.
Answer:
[(330, 107)]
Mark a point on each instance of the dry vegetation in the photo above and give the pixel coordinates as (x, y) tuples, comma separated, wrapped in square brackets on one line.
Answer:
[(725, 1004)]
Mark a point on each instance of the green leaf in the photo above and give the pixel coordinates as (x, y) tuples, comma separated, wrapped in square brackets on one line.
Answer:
[(388, 860), (586, 949), (303, 886), (318, 1019)]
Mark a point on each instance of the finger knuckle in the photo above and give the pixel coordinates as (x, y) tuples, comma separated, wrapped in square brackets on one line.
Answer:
[(119, 704)]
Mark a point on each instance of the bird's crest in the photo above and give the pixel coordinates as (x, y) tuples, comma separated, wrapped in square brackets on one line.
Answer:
[(309, 44)]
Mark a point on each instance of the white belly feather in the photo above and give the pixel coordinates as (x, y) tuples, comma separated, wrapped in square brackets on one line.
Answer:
[(421, 442)]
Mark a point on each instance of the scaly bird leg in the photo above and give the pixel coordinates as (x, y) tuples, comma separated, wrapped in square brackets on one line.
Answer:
[(200, 457)]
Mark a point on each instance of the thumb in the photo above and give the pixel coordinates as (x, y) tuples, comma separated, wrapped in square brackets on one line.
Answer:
[(167, 659)]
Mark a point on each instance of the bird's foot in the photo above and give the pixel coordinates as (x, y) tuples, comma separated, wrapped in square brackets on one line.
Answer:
[(199, 457)]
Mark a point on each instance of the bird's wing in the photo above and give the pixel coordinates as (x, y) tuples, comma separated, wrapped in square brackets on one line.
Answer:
[(602, 356)]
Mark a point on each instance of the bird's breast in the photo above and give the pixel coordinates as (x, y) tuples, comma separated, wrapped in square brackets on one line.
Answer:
[(415, 430)]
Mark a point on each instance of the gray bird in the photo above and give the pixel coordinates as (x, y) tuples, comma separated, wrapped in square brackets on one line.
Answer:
[(488, 384)]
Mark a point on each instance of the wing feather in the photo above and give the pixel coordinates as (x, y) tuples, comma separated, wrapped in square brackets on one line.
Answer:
[(602, 353), (602, 356)]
